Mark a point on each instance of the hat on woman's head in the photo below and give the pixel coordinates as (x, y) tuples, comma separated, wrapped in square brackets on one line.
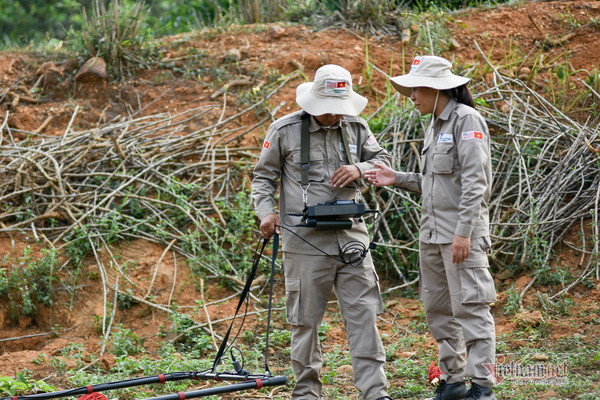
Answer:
[(428, 71), (330, 93)]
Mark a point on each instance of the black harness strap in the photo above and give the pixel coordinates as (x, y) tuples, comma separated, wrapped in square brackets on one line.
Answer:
[(346, 145), (304, 148)]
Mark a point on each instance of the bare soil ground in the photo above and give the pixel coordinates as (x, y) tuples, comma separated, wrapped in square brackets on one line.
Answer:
[(559, 29)]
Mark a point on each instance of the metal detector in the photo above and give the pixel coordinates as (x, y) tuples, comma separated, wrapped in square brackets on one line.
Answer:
[(246, 380)]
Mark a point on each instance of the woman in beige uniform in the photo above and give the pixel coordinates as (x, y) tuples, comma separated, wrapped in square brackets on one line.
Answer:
[(455, 284)]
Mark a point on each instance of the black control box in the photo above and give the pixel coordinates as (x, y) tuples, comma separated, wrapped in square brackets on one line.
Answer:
[(337, 209)]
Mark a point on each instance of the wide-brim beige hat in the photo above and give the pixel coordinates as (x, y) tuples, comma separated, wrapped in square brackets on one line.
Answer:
[(330, 93), (428, 71)]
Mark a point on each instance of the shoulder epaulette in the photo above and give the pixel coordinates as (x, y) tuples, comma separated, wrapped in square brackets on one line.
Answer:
[(355, 120), (462, 110), (288, 119)]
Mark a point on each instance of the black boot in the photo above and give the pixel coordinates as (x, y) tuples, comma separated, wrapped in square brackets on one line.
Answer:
[(478, 392), (451, 391)]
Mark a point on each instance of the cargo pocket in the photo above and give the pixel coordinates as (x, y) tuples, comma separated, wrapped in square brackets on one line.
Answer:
[(292, 301), (379, 299), (477, 284)]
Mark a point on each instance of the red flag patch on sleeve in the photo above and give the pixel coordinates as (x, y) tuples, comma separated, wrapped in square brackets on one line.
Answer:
[(266, 144)]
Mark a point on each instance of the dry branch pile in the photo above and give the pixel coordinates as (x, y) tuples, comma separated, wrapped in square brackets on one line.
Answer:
[(147, 177)]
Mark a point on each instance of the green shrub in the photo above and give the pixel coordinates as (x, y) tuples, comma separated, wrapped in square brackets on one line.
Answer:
[(125, 342), (26, 281), (115, 34), (24, 21)]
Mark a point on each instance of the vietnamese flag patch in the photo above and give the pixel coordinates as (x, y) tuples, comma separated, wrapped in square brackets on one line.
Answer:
[(335, 84), (415, 64), (266, 144), (469, 135)]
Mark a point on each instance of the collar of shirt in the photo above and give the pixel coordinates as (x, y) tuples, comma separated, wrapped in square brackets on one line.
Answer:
[(445, 114), (315, 126)]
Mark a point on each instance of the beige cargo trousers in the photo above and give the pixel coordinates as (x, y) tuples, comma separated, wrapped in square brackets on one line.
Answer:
[(309, 280), (456, 298)]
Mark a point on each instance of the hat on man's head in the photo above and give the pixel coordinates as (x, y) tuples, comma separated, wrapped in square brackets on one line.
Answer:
[(330, 93), (428, 71)]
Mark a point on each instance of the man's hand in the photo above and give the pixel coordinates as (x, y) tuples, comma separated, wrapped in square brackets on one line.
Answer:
[(461, 248), (270, 224), (381, 176), (344, 175)]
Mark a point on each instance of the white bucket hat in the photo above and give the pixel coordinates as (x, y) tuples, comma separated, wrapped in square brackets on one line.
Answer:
[(330, 93), (428, 71)]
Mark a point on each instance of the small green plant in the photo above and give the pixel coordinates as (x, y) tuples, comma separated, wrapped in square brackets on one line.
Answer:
[(561, 306), (419, 324), (554, 275), (126, 342), (60, 367), (98, 323), (328, 377), (40, 359), (78, 246), (125, 300), (593, 79), (23, 384), (568, 20), (281, 337), (187, 337), (323, 330), (513, 301)]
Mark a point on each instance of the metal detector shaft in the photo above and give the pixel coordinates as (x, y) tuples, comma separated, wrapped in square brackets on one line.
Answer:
[(228, 376), (234, 387), (162, 378)]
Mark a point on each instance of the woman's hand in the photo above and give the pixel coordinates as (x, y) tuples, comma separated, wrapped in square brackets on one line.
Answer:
[(381, 176), (461, 248)]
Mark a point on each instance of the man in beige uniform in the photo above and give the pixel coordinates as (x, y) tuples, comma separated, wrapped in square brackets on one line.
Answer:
[(455, 285), (315, 261)]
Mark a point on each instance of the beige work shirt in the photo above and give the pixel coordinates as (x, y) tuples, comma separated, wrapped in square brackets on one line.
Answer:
[(279, 165), (456, 179)]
